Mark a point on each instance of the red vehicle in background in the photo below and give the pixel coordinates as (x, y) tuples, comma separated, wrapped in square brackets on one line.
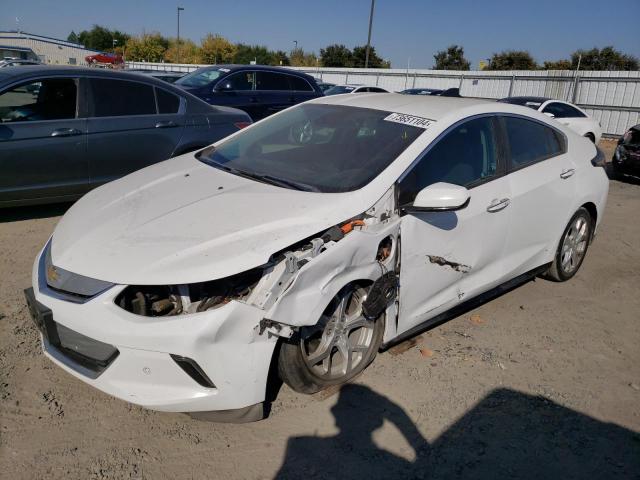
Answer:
[(109, 60)]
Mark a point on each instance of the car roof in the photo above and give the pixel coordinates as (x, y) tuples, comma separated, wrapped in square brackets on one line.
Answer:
[(26, 71), (432, 107), (267, 68)]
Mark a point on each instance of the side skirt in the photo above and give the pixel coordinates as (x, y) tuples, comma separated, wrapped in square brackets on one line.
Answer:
[(467, 306)]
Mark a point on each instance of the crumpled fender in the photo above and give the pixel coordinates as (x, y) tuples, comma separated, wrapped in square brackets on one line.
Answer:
[(352, 258)]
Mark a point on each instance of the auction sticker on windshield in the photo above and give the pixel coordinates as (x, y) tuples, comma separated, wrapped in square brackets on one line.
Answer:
[(409, 120)]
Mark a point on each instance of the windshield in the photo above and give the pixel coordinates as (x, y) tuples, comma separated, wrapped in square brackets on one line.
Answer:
[(321, 148), (199, 78), (339, 89)]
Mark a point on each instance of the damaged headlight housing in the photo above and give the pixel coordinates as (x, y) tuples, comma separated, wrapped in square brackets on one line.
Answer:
[(169, 300)]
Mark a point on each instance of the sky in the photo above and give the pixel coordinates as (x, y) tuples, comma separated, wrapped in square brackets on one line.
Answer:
[(404, 31)]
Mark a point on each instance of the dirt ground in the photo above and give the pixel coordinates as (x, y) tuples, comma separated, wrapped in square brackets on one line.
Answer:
[(542, 382)]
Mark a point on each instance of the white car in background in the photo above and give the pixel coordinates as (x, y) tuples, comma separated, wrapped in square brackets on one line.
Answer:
[(340, 89), (309, 241), (566, 113)]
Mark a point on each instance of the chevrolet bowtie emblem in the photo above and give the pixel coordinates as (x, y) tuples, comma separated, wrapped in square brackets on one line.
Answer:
[(52, 274)]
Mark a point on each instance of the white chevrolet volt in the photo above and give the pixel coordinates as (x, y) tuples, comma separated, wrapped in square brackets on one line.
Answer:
[(308, 242)]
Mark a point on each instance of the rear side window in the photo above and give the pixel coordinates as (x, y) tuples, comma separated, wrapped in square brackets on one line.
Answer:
[(116, 98), (465, 156), (46, 99), (562, 110), (271, 81), (530, 141), (167, 102), (299, 84)]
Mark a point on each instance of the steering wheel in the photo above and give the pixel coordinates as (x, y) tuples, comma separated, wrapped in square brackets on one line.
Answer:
[(302, 134)]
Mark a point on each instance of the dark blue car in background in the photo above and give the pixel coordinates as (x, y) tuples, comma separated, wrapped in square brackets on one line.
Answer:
[(258, 90)]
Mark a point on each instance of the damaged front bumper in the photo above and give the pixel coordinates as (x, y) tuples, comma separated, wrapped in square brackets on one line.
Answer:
[(160, 361)]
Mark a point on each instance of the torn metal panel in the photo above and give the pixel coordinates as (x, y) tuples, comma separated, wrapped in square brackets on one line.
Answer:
[(458, 267)]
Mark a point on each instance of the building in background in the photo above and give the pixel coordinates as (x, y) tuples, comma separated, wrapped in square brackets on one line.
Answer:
[(48, 50)]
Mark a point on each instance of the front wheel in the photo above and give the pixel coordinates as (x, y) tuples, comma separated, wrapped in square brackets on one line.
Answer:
[(335, 349), (573, 247)]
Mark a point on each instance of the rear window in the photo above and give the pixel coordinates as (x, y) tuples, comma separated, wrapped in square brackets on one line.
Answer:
[(116, 98), (167, 102), (531, 141)]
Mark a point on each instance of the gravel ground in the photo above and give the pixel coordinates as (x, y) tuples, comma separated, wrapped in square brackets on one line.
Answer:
[(542, 382)]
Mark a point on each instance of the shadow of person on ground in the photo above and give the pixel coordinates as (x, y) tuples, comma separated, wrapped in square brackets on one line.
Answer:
[(351, 453), (506, 435), (14, 214)]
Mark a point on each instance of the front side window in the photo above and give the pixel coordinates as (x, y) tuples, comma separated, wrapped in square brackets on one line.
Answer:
[(530, 141), (46, 99), (466, 156), (271, 81), (322, 148), (238, 81), (116, 98)]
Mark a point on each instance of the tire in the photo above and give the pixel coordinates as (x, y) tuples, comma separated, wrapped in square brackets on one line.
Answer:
[(313, 359), (572, 248)]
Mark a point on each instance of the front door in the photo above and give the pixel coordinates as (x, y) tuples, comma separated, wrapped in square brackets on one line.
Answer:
[(448, 257), (42, 141)]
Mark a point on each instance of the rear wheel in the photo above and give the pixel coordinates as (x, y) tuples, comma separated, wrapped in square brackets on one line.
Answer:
[(335, 349), (573, 247)]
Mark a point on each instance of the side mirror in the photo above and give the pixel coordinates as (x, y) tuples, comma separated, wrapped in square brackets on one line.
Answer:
[(440, 197), (549, 114)]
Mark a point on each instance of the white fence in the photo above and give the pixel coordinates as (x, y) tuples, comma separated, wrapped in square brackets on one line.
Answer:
[(611, 97)]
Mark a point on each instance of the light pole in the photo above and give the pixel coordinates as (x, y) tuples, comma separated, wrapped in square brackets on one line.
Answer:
[(366, 57), (295, 45), (178, 41), (114, 42)]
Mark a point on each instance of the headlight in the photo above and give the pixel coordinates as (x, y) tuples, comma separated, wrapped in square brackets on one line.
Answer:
[(168, 300)]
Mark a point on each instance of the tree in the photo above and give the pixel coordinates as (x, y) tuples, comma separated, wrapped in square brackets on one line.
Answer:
[(189, 52), (606, 59), (101, 38), (217, 49), (336, 56), (558, 65), (247, 53), (451, 59), (359, 55), (299, 58), (73, 37), (280, 58), (512, 60), (149, 47)]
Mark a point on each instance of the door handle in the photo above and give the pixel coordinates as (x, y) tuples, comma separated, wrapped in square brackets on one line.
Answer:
[(497, 205), (567, 173), (165, 124), (66, 132)]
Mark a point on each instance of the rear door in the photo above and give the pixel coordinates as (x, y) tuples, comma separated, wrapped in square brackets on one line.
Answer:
[(542, 183), (273, 92), (125, 130), (42, 140)]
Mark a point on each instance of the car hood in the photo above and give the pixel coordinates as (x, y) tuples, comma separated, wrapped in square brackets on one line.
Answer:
[(182, 221)]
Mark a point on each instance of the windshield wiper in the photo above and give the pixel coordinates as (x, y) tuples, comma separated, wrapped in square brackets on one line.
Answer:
[(269, 179)]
